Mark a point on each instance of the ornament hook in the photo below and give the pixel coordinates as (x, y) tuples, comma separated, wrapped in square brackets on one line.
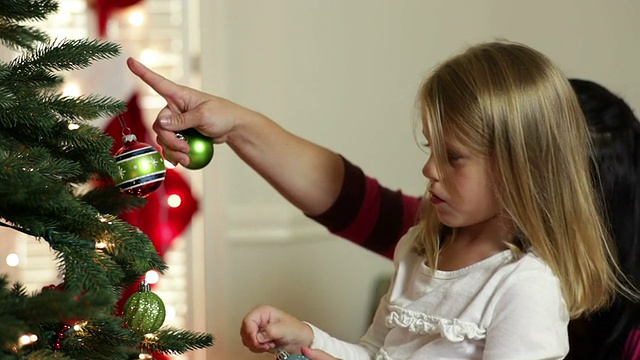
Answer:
[(125, 129)]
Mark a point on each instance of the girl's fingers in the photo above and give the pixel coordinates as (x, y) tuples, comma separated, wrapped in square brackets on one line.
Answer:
[(314, 354)]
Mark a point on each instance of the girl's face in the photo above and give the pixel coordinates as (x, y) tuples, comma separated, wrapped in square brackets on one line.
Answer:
[(472, 201)]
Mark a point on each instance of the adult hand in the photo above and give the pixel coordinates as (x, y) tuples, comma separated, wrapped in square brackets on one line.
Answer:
[(187, 108), (265, 328)]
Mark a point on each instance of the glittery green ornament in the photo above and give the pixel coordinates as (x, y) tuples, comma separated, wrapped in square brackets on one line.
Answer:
[(144, 311), (200, 148)]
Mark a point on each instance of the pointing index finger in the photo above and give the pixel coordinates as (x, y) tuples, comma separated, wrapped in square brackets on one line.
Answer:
[(164, 87)]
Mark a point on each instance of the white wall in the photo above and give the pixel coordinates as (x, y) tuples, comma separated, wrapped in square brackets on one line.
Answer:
[(344, 73)]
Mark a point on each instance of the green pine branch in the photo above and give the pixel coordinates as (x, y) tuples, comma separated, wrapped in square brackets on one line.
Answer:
[(27, 119), (66, 55), (45, 354), (86, 269), (100, 338), (76, 144), (30, 80), (43, 314), (39, 162), (131, 248), (52, 305), (29, 10), (68, 147), (175, 341), (108, 199), (17, 37), (6, 97), (84, 107)]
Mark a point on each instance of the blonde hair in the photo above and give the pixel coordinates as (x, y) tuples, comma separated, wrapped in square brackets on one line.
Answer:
[(512, 104)]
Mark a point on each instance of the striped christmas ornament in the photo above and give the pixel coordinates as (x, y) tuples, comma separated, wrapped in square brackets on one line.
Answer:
[(141, 169)]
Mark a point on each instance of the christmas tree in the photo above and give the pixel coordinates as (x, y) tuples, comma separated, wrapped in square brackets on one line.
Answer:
[(56, 186)]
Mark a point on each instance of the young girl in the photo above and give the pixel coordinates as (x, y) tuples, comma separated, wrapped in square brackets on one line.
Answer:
[(610, 333), (496, 266)]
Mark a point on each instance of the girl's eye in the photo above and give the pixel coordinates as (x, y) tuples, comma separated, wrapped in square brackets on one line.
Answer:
[(425, 147), (453, 157)]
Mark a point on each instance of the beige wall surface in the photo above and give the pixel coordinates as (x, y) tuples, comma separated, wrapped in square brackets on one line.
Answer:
[(344, 73)]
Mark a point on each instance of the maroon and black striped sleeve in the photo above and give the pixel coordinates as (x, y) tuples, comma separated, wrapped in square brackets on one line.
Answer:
[(369, 214)]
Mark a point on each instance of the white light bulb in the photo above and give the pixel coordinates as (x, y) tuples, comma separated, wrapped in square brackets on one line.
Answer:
[(174, 200), (26, 339), (136, 18), (152, 277), (71, 90), (13, 260), (79, 325)]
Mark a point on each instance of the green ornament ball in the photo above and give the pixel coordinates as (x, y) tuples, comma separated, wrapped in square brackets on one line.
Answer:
[(200, 148), (144, 311)]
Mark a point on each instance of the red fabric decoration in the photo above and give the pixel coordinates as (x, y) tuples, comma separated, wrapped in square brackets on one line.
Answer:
[(105, 8), (162, 223)]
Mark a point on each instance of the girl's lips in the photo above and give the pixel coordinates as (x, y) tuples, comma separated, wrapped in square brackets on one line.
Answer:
[(434, 199)]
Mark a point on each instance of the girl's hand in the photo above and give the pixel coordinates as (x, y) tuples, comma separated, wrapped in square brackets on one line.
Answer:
[(265, 328), (313, 354)]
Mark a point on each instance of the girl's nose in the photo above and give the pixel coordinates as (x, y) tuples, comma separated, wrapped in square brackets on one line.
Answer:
[(429, 169)]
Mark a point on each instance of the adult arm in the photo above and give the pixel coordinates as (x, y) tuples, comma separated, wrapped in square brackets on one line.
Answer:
[(306, 174), (313, 178), (369, 214)]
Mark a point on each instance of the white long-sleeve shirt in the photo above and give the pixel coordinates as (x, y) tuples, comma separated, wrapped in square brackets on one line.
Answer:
[(498, 308)]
